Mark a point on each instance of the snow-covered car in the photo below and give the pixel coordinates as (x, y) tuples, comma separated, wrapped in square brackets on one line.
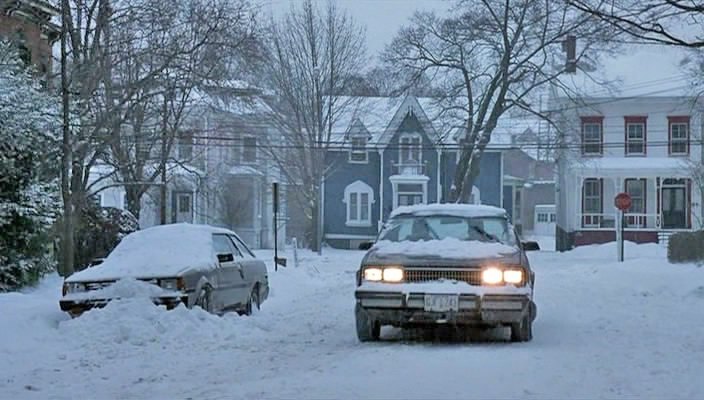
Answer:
[(446, 264), (196, 265)]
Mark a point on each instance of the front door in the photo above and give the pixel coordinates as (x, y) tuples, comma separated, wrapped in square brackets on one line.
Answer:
[(182, 207), (674, 208)]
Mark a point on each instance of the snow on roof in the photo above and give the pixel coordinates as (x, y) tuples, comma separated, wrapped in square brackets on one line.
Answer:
[(159, 251), (642, 72), (244, 170), (460, 210)]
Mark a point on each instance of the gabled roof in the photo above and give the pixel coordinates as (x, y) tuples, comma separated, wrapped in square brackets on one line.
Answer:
[(410, 105)]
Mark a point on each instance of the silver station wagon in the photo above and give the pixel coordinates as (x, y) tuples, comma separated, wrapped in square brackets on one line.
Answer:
[(446, 264), (195, 265)]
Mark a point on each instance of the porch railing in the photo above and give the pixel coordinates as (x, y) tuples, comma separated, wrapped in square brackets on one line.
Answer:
[(633, 221), (409, 168)]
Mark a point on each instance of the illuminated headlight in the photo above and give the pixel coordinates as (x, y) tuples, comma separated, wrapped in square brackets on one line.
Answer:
[(492, 276), (513, 276), (393, 274), (386, 274), (74, 287), (169, 284), (373, 274)]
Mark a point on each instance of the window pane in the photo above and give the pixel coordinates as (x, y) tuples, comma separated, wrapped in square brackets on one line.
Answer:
[(249, 149), (635, 131), (184, 203), (364, 207), (635, 148), (353, 207)]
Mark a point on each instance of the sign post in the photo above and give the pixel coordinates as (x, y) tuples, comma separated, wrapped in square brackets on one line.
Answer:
[(623, 203), (277, 261)]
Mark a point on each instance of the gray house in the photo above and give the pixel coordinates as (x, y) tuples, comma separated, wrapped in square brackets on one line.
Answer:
[(395, 152)]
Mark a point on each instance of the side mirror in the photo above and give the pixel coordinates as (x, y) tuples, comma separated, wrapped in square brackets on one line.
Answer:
[(366, 245), (96, 261), (530, 246), (225, 258)]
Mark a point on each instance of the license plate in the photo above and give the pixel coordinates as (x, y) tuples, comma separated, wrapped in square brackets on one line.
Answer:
[(442, 302)]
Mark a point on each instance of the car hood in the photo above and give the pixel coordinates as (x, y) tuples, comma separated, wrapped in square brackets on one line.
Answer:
[(441, 253)]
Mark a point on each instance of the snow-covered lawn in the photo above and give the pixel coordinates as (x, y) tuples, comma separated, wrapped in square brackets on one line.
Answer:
[(604, 330)]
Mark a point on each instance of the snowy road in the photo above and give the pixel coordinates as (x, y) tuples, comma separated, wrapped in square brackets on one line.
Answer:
[(604, 330)]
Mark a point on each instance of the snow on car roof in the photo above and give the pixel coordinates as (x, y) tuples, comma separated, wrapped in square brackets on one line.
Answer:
[(160, 251), (460, 210)]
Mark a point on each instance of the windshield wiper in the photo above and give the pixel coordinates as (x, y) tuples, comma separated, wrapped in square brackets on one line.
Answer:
[(485, 234)]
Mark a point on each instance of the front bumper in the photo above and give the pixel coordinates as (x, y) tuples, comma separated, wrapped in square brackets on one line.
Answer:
[(400, 309), (78, 307)]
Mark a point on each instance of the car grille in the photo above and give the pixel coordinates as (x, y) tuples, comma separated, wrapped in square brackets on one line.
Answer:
[(473, 277)]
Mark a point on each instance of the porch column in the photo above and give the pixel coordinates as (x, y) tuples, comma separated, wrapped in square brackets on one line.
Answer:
[(579, 193), (658, 207)]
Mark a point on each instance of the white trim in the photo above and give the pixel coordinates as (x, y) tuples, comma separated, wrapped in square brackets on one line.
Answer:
[(408, 179), (439, 184), (381, 190), (402, 148), (501, 179), (358, 188), (351, 151), (346, 236)]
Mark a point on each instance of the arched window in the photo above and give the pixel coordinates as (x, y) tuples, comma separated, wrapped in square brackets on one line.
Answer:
[(359, 198)]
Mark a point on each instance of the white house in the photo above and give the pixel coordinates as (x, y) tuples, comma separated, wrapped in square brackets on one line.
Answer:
[(217, 173), (645, 141)]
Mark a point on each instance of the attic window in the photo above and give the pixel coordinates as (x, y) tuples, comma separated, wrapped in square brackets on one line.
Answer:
[(358, 149)]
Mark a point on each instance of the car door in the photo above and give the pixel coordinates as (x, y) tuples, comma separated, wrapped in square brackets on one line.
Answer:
[(230, 274), (254, 269)]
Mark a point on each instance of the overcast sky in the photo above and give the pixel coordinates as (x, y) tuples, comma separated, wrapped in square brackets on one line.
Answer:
[(382, 18)]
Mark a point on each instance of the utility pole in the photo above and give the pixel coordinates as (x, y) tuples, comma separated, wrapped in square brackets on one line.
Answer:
[(67, 239), (162, 203)]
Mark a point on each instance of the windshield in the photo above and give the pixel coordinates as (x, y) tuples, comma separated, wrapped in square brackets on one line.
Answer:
[(438, 227)]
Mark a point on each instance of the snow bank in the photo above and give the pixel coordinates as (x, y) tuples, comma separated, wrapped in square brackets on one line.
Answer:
[(447, 248), (124, 288), (452, 209), (160, 251)]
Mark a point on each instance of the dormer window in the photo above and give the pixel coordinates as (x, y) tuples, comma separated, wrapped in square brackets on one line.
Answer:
[(358, 149)]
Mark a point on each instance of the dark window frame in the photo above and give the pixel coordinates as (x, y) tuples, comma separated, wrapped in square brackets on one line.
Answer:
[(678, 120), (592, 121)]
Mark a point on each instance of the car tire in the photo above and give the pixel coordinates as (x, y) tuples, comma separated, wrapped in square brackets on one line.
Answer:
[(205, 298), (522, 331), (253, 303), (368, 330)]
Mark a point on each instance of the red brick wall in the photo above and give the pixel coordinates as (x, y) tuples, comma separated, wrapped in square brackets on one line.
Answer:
[(39, 47), (583, 238)]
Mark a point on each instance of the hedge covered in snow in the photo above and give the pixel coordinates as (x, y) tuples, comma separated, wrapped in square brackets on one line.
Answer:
[(29, 151), (686, 247)]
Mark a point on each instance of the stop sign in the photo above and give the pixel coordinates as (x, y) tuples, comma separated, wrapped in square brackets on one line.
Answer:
[(623, 201)]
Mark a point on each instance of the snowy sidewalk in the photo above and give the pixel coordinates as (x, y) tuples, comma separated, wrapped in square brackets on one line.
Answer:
[(604, 330)]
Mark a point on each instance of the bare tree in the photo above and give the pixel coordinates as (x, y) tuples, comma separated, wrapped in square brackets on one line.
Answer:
[(669, 22), (311, 55), (490, 57), (129, 67)]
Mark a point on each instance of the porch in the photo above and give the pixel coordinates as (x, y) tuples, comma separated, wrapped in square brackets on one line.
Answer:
[(659, 203)]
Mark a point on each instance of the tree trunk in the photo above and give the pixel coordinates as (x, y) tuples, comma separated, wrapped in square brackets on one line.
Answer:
[(134, 205), (67, 233), (315, 244), (457, 195)]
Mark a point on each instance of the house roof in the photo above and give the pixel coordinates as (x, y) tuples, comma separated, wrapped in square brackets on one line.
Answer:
[(639, 71), (379, 118)]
